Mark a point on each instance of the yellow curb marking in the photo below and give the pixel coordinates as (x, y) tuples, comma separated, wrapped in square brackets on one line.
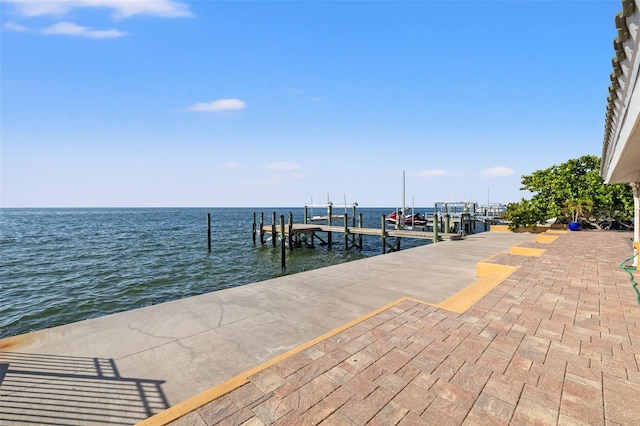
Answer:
[(545, 239), (557, 231), (484, 269), (526, 251), (467, 297), (491, 275)]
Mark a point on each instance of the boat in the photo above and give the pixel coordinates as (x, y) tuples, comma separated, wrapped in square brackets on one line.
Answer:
[(409, 218)]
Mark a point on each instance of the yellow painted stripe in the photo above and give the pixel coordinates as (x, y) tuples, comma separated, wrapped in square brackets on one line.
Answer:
[(636, 245), (484, 269), (545, 239), (526, 251), (191, 404), (467, 297), (557, 231)]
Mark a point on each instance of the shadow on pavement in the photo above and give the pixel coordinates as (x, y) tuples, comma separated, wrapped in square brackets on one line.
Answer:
[(52, 389)]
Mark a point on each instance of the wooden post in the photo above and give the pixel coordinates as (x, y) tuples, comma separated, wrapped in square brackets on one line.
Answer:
[(354, 216), (254, 228), (273, 229), (209, 232), (282, 243), (290, 237), (435, 227), (346, 232), (262, 228), (360, 235), (384, 235), (330, 222), (305, 215), (447, 227)]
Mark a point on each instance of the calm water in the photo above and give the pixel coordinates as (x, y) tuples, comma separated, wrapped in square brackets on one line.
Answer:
[(59, 266)]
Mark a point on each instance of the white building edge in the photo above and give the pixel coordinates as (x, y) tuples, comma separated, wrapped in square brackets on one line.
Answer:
[(621, 147)]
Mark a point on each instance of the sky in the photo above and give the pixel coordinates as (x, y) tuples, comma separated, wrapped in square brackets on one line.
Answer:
[(168, 103)]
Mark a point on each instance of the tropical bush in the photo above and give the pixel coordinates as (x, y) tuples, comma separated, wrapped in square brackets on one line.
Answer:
[(570, 190)]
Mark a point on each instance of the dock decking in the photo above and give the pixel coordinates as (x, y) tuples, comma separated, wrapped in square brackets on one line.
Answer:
[(398, 233)]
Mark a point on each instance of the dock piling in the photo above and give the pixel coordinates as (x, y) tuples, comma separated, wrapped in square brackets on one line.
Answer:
[(209, 232), (346, 232), (273, 229), (290, 233), (384, 235), (254, 228), (435, 227), (282, 245), (330, 222), (262, 228), (360, 235)]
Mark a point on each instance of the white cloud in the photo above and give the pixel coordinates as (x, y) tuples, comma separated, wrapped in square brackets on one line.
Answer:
[(12, 26), (219, 105), (120, 8), (432, 173), (69, 28), (281, 179), (232, 165), (298, 176), (283, 166), (497, 171), (272, 181)]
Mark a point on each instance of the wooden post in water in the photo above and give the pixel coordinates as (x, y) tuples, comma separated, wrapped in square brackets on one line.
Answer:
[(209, 232), (330, 222), (435, 227), (262, 228), (290, 236), (346, 232), (360, 235), (354, 216), (305, 215), (384, 235), (254, 228), (273, 229), (282, 243)]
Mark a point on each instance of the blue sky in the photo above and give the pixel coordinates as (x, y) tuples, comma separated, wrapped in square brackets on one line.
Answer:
[(162, 103)]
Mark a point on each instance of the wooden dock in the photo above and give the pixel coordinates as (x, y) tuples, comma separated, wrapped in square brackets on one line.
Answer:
[(397, 233), (294, 235)]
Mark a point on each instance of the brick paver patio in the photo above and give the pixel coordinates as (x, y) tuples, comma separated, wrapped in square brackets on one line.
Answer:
[(558, 342)]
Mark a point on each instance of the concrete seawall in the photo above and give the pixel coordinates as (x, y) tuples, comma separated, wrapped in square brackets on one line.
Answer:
[(135, 364)]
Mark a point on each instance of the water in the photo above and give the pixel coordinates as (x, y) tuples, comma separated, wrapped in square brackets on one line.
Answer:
[(59, 266)]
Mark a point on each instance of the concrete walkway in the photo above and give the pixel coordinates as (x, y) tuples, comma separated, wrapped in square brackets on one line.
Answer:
[(557, 342), (123, 368)]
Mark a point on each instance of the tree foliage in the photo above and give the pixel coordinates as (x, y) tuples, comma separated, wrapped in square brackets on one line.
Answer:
[(523, 213), (576, 181)]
